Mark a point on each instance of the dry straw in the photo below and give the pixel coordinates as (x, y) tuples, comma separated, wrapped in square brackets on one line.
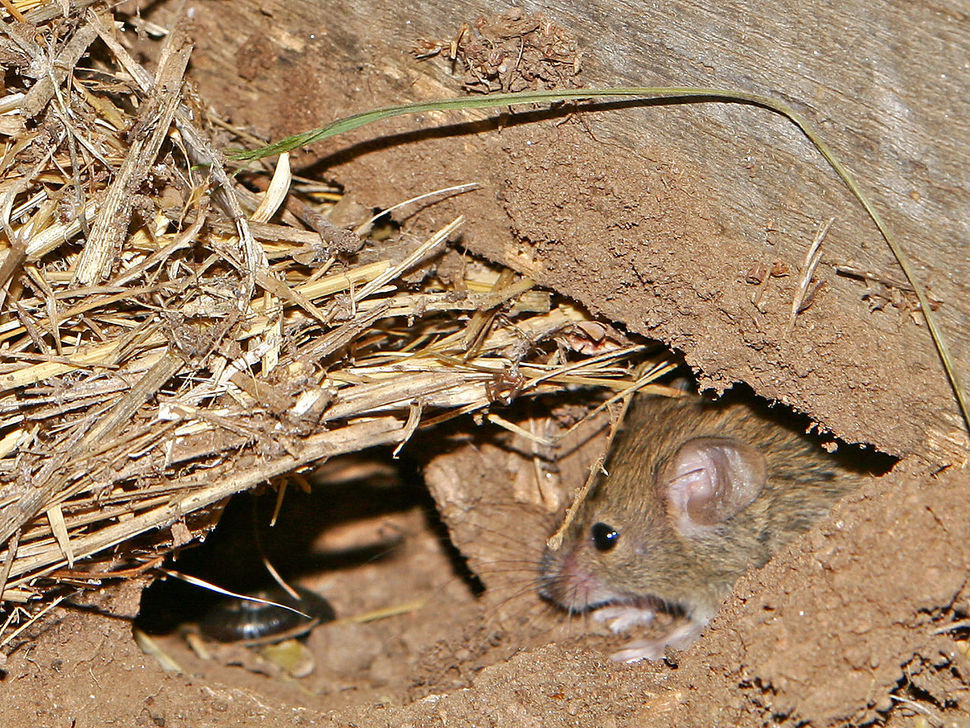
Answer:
[(168, 338)]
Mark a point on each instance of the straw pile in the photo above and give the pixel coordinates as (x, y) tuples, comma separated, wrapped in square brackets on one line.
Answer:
[(169, 338)]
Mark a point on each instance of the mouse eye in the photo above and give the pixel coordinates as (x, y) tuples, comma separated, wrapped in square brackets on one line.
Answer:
[(604, 537)]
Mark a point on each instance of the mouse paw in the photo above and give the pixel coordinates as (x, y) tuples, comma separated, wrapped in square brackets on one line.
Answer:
[(621, 617), (678, 639), (640, 650)]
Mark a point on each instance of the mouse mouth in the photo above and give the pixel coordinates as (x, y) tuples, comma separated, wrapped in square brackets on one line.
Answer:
[(645, 602)]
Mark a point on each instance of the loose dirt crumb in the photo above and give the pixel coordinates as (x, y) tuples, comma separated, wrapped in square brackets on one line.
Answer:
[(513, 51)]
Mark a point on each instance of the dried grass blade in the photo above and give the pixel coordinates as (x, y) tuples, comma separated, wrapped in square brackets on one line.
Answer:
[(410, 427), (278, 288), (183, 240), (812, 259), (203, 584), (157, 116), (146, 387), (615, 354), (13, 10), (517, 430), (151, 648), (50, 304), (365, 227), (378, 614), (595, 470), (275, 195), (43, 91), (98, 355), (15, 257), (56, 519), (8, 560), (50, 238), (372, 397), (33, 618), (420, 252), (201, 152), (340, 337), (11, 441), (339, 282)]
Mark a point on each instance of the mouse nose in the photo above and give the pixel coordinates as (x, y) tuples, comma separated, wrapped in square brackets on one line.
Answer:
[(564, 581)]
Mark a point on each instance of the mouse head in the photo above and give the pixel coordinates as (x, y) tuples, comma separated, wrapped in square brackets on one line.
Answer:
[(660, 526)]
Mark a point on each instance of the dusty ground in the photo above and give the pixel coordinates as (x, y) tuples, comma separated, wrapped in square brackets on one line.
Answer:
[(863, 621)]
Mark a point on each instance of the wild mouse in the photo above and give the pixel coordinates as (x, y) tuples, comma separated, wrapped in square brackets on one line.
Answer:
[(694, 493)]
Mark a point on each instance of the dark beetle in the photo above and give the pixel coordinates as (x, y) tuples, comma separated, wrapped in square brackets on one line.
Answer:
[(253, 623)]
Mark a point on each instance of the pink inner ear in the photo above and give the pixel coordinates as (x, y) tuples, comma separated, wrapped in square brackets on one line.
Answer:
[(710, 479)]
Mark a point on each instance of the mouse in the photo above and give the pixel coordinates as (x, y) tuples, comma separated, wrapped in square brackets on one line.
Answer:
[(693, 493)]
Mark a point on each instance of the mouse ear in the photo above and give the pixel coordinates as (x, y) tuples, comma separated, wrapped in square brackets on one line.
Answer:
[(710, 479)]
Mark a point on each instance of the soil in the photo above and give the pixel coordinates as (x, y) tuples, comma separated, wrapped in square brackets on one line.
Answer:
[(862, 621)]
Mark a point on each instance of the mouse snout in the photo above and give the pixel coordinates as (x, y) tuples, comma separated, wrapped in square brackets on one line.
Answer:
[(550, 567), (564, 580)]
